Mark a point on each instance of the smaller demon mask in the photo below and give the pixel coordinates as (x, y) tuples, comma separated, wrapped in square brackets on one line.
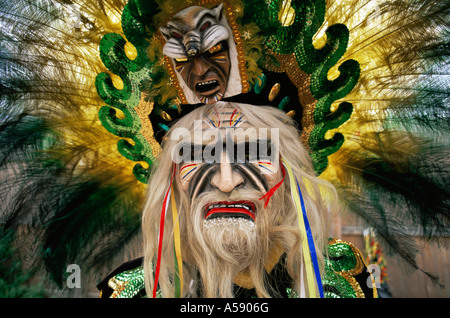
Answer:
[(199, 42), (193, 31)]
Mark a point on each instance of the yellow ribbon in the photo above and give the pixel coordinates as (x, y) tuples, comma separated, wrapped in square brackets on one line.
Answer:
[(301, 223), (176, 239)]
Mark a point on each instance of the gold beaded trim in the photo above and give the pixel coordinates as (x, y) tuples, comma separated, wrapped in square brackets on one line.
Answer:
[(239, 48), (359, 267), (288, 64), (142, 110), (353, 282), (117, 285)]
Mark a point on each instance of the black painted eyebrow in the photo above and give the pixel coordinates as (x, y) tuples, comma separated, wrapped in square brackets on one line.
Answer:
[(236, 146), (201, 179)]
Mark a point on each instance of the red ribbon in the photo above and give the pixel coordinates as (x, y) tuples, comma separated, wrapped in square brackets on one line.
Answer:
[(161, 233)]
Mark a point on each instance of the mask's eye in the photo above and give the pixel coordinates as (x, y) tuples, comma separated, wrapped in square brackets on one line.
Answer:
[(180, 64), (215, 48), (205, 25), (182, 60), (176, 35)]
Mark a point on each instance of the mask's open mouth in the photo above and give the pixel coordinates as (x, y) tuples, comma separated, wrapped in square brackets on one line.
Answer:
[(234, 209), (207, 87)]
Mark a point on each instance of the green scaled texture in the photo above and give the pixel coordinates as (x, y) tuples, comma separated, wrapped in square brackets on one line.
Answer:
[(341, 259), (133, 74), (297, 38)]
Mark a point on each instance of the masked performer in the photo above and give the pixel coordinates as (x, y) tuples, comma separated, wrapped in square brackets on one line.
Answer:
[(225, 224), (235, 219), (227, 234)]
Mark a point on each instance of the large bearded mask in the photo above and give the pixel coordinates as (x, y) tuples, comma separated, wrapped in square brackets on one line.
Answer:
[(238, 166), (235, 214)]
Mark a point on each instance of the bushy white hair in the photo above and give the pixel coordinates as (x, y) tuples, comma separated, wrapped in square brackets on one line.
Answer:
[(213, 255)]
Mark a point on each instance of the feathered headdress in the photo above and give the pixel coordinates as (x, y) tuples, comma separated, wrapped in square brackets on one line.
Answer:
[(364, 80)]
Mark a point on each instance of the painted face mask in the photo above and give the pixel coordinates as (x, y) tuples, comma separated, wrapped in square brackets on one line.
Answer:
[(193, 31), (198, 41), (229, 161)]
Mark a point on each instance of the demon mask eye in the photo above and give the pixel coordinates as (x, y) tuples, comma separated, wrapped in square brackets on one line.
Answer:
[(177, 35), (205, 26), (216, 48)]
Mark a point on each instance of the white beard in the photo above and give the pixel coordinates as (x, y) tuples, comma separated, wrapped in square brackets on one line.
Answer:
[(224, 247), (233, 240)]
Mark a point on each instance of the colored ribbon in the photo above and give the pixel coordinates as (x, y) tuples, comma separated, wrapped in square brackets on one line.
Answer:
[(178, 279), (161, 233), (271, 192), (308, 257), (312, 247)]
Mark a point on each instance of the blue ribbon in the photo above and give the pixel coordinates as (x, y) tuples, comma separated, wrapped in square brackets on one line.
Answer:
[(312, 248)]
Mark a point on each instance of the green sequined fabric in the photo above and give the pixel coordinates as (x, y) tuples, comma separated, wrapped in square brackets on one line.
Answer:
[(127, 284), (297, 38), (135, 74), (343, 263)]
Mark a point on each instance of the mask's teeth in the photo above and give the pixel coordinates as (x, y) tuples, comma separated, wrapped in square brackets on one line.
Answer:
[(207, 82), (245, 206)]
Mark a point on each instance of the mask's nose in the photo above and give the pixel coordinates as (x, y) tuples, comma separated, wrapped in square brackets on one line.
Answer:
[(192, 43), (199, 66), (226, 179)]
